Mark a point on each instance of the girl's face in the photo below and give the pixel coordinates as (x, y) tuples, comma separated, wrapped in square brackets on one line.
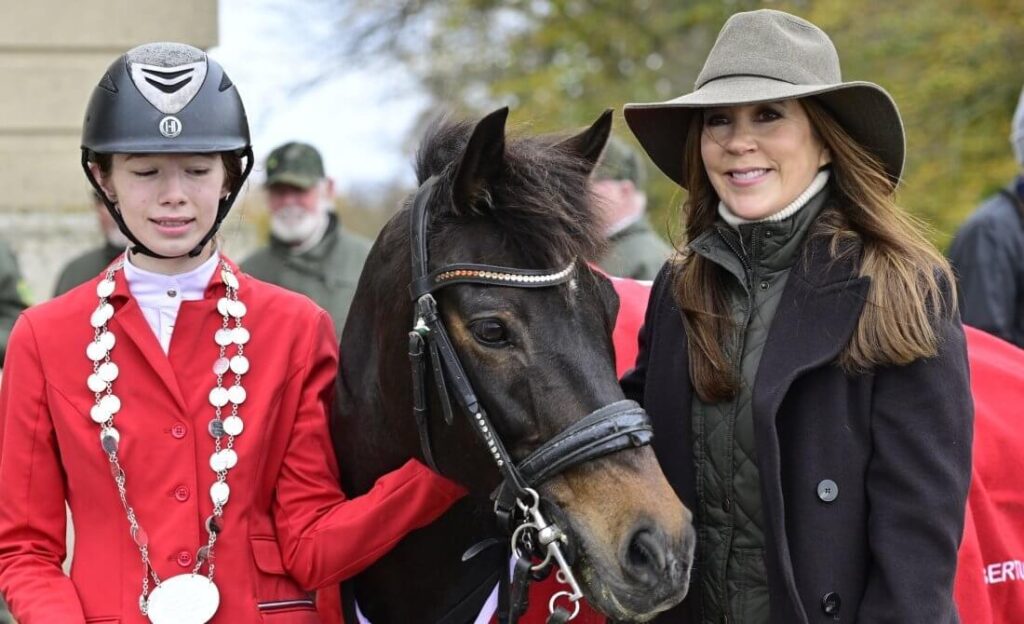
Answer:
[(760, 157), (168, 201)]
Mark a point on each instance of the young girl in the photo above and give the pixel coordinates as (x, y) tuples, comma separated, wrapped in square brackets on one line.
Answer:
[(177, 405), (802, 359)]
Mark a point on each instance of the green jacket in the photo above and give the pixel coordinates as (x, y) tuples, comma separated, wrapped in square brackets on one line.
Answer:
[(328, 273), (756, 259), (13, 296), (636, 252), (85, 267)]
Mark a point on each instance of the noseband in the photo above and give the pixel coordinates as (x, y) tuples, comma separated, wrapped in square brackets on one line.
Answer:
[(614, 427)]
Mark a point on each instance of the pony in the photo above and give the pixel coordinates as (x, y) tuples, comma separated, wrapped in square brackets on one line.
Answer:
[(539, 359)]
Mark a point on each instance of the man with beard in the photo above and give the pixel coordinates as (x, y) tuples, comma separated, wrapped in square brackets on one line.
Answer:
[(83, 268), (309, 251), (634, 249)]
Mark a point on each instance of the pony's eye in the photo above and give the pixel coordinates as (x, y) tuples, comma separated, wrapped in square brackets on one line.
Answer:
[(490, 332)]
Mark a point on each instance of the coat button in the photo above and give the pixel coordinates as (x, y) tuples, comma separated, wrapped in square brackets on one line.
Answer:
[(828, 491), (184, 558), (181, 493), (764, 284), (830, 603), (178, 431)]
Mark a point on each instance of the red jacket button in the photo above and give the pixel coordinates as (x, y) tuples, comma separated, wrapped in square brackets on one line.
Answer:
[(184, 558), (179, 431), (181, 493)]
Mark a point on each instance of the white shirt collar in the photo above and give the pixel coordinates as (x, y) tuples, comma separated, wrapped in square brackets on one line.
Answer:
[(818, 183), (151, 289)]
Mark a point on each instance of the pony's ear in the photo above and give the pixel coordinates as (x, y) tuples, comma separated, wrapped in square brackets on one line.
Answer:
[(481, 161), (589, 144)]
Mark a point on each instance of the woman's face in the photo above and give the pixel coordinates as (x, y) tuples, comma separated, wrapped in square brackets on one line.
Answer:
[(760, 157), (168, 201)]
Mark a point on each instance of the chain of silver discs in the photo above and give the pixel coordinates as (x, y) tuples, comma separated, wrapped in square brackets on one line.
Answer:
[(101, 383)]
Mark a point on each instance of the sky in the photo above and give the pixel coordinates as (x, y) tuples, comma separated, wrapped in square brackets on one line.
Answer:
[(359, 118)]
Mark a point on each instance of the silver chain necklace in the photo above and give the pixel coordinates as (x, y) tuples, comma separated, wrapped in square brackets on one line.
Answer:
[(186, 598)]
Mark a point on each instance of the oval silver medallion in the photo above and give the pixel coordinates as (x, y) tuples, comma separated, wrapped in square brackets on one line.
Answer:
[(219, 397), (229, 278), (101, 315), (221, 366), (225, 459), (184, 599), (96, 384), (98, 414), (107, 371), (110, 438), (108, 340), (170, 126), (233, 425), (216, 427), (105, 288), (95, 351), (219, 493), (240, 365), (222, 337), (111, 404), (236, 394), (222, 306), (237, 308), (240, 335)]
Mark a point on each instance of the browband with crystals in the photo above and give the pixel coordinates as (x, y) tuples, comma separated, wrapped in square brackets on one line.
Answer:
[(467, 273)]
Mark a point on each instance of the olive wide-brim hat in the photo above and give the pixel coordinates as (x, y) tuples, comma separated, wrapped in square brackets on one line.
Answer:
[(766, 56)]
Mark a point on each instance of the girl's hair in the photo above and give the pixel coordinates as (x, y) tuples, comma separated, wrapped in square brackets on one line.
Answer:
[(232, 166), (911, 283)]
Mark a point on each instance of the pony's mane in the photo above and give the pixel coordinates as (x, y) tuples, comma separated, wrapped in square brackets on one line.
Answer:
[(540, 199)]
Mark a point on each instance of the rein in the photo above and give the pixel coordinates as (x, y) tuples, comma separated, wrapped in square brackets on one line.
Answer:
[(614, 427)]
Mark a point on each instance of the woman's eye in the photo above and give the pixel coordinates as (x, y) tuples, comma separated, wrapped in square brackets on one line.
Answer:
[(490, 332), (769, 114), (199, 172), (716, 120), (145, 173)]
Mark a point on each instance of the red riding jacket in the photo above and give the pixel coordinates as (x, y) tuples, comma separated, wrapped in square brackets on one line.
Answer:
[(287, 527)]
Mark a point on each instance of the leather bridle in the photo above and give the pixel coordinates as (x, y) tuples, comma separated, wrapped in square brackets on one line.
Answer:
[(614, 427)]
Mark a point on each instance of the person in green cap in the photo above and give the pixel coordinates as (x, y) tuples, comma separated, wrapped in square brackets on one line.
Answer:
[(634, 249), (309, 251), (13, 299), (91, 263)]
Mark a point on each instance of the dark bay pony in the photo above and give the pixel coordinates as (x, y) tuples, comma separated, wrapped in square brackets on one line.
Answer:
[(539, 359)]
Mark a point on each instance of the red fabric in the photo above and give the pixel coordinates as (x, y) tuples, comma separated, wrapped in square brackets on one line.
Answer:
[(993, 546), (287, 526)]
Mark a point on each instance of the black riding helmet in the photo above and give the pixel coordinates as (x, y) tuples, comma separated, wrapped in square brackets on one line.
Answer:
[(166, 98)]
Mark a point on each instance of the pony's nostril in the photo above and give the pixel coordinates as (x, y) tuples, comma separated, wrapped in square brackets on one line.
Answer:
[(646, 556)]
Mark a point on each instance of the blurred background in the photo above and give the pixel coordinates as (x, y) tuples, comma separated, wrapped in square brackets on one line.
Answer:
[(360, 79)]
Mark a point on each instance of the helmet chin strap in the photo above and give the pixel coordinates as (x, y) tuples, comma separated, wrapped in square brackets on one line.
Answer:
[(137, 247)]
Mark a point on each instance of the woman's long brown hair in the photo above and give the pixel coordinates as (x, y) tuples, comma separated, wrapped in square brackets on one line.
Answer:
[(911, 283)]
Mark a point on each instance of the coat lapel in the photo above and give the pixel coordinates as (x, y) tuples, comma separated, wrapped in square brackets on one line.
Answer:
[(134, 327), (817, 314)]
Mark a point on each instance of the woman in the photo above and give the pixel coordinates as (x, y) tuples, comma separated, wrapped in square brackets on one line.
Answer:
[(177, 405), (802, 358)]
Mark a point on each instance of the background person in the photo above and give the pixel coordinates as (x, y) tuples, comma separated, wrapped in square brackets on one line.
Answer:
[(13, 295), (988, 254), (802, 359), (634, 249), (309, 251), (88, 265)]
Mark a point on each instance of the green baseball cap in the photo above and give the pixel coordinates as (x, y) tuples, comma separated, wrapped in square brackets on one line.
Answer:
[(295, 164), (620, 162)]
